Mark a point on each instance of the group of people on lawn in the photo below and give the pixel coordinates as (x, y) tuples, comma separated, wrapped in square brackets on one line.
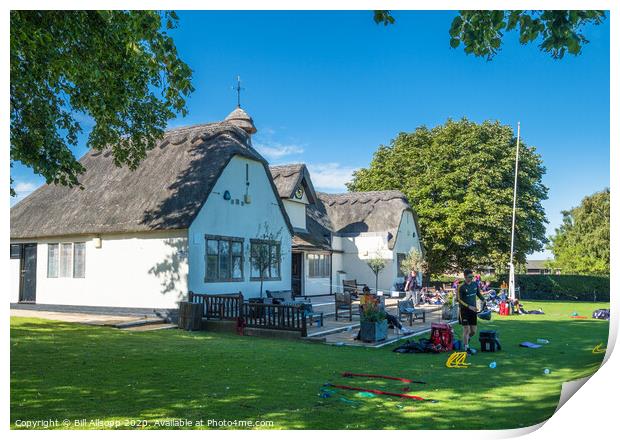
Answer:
[(466, 294)]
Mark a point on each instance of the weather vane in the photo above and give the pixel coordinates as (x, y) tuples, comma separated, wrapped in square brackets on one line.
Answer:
[(238, 89)]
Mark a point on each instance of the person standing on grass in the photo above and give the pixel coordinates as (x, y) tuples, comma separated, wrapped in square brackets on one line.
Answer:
[(468, 311), (411, 286)]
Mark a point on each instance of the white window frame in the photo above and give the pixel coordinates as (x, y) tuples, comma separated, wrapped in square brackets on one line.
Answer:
[(50, 273), (69, 271), (83, 275), (319, 265)]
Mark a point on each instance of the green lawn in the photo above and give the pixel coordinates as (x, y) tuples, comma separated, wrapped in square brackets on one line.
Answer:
[(67, 371)]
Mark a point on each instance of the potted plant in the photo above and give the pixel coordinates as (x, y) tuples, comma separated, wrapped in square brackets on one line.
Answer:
[(373, 322)]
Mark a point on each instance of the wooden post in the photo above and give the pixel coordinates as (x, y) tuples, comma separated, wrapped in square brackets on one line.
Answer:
[(190, 316), (304, 326)]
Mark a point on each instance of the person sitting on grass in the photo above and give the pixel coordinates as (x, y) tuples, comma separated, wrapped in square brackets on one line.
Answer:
[(468, 311)]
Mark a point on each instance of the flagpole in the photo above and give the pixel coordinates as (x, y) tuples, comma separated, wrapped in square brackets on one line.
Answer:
[(511, 281)]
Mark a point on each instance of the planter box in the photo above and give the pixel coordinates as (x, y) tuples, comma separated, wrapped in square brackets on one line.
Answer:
[(373, 331), (190, 315), (449, 313)]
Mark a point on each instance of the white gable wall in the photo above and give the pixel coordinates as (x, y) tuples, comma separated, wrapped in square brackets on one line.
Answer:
[(227, 218), (296, 211), (359, 248), (146, 270), (408, 238)]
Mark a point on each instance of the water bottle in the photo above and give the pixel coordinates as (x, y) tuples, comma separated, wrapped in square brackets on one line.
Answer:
[(493, 364), (542, 341), (547, 371)]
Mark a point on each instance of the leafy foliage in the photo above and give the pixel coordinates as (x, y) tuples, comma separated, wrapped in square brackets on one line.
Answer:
[(118, 68), (384, 17), (414, 260), (581, 244), (481, 32), (372, 312), (459, 178), (262, 255)]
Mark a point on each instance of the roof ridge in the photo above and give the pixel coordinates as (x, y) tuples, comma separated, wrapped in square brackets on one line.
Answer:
[(362, 193), (191, 127)]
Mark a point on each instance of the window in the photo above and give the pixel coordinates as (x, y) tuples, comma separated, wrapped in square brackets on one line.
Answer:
[(224, 259), (66, 260), (265, 256), (52, 260), (16, 251), (399, 262), (319, 265), (79, 260)]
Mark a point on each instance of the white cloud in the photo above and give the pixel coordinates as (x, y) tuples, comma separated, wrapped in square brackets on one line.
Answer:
[(25, 187), (330, 176), (22, 189), (277, 151)]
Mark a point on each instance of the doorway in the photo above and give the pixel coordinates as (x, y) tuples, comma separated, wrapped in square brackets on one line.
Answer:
[(296, 273), (28, 273)]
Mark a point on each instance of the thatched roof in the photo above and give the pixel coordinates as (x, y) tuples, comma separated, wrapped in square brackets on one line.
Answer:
[(288, 177), (373, 211), (241, 119), (318, 229), (165, 192)]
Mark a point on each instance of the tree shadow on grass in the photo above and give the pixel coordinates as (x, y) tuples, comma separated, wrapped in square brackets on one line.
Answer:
[(70, 371)]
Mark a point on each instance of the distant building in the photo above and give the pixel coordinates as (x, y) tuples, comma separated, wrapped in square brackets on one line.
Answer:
[(540, 267)]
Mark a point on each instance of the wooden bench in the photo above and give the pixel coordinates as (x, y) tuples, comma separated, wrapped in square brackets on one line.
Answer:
[(407, 308), (312, 316), (352, 287), (283, 295)]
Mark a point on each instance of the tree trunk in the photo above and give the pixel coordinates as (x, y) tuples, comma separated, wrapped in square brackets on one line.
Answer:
[(426, 279)]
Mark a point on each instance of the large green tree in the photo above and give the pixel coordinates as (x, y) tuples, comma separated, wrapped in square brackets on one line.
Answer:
[(481, 32), (459, 178), (581, 244), (119, 69)]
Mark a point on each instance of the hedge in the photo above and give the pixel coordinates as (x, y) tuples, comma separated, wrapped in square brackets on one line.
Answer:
[(562, 287), (554, 287)]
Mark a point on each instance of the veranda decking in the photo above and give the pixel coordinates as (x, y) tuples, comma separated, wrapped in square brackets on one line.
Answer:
[(290, 318), (343, 331)]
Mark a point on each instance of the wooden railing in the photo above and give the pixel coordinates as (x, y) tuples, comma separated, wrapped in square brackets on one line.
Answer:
[(226, 307), (275, 317), (230, 307)]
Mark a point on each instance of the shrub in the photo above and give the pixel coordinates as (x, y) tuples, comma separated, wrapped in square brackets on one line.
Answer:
[(562, 287)]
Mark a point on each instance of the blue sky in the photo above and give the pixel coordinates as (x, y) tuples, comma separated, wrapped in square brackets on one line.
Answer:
[(326, 88)]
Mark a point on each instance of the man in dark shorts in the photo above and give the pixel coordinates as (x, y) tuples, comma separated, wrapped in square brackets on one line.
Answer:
[(468, 310)]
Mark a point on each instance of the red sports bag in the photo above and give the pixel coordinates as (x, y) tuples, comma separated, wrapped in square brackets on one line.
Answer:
[(442, 335)]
